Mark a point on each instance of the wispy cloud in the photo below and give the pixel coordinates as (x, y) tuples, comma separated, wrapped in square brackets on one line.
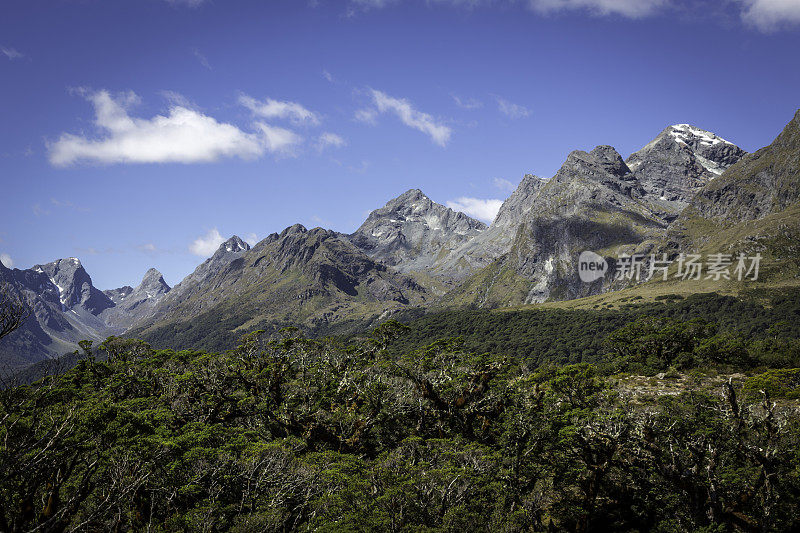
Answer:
[(402, 108), (188, 3), (354, 6), (318, 221), (504, 185), (276, 109), (6, 260), (206, 245), (467, 103), (482, 209), (367, 116), (176, 98), (330, 140), (39, 211), (11, 53), (771, 15), (251, 239), (512, 110), (627, 8), (183, 135), (201, 58), (68, 205)]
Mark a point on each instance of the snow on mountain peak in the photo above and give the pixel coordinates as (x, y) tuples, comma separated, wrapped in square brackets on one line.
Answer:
[(684, 133)]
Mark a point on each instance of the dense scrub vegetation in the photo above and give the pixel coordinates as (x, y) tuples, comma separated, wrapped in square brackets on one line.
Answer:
[(565, 336), (539, 335), (286, 433)]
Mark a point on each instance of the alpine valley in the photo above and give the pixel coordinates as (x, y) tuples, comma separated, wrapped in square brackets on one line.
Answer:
[(687, 190)]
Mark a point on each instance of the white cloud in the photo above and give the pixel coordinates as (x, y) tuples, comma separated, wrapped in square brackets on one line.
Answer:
[(467, 103), (439, 133), (182, 136), (367, 116), (482, 209), (328, 76), (148, 247), (251, 239), (504, 185), (276, 109), (12, 53), (279, 140), (330, 140), (512, 110), (6, 260), (206, 245), (626, 8), (771, 15)]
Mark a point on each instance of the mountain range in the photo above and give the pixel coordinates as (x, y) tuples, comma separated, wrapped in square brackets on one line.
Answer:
[(686, 190)]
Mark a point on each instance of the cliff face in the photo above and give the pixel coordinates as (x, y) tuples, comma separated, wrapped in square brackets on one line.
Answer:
[(412, 233)]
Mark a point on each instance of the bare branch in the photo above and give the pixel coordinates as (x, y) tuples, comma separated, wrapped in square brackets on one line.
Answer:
[(13, 311)]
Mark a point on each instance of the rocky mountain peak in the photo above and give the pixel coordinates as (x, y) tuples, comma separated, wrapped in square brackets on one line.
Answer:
[(516, 206), (74, 285), (411, 195), (293, 229), (601, 171), (234, 245), (761, 183), (694, 136), (679, 162), (153, 282), (412, 231), (413, 207), (610, 160)]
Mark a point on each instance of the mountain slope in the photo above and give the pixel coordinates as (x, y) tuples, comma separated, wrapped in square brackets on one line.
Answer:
[(133, 305), (497, 239), (65, 310), (594, 203), (762, 183), (754, 207), (302, 277), (679, 162), (412, 233)]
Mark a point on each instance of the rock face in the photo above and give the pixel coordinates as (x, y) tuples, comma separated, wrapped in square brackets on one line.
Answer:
[(133, 305), (765, 182), (497, 239), (74, 285), (679, 162), (753, 208), (227, 253), (412, 233), (298, 277), (65, 309), (594, 202), (519, 204)]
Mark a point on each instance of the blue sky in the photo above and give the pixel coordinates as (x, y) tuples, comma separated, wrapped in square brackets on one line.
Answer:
[(135, 132)]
